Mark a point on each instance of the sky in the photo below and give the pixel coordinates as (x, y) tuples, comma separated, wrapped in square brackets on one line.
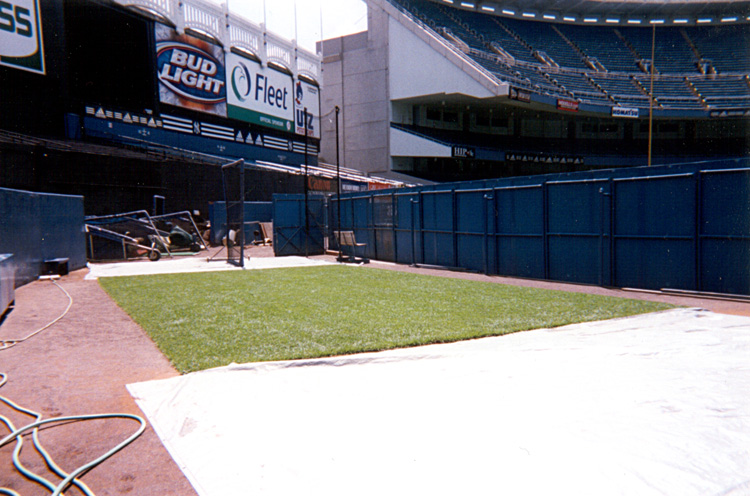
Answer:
[(339, 17)]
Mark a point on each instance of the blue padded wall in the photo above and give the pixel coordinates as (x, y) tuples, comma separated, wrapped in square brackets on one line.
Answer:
[(672, 227), (35, 227)]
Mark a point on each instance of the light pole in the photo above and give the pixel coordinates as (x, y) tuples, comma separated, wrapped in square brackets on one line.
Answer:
[(307, 220), (651, 96)]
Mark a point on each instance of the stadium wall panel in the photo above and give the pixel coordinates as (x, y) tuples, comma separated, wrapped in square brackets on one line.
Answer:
[(35, 227), (724, 238), (7, 282), (674, 227), (408, 246), (291, 216)]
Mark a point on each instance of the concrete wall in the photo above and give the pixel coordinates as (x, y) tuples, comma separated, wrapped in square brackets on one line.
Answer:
[(419, 66), (355, 72), (369, 75)]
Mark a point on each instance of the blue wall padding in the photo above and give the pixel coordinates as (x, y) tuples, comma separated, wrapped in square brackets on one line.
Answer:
[(681, 227), (35, 227), (289, 225), (7, 281)]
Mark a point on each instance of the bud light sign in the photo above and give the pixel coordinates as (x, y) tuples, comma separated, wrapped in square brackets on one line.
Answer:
[(21, 35), (190, 71)]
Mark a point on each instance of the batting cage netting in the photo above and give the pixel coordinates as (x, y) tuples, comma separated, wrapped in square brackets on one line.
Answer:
[(233, 179)]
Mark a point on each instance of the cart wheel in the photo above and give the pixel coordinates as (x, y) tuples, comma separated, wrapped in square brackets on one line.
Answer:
[(154, 255)]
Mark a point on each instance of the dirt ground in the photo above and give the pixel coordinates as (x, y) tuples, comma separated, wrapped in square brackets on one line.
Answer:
[(81, 365)]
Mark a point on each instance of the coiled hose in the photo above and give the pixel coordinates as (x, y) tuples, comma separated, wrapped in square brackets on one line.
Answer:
[(18, 433), (10, 343)]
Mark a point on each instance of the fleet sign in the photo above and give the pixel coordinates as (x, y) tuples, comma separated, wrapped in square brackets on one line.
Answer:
[(21, 44), (191, 72), (259, 95), (307, 96)]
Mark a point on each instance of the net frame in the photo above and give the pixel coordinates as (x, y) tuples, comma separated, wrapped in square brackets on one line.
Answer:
[(233, 182)]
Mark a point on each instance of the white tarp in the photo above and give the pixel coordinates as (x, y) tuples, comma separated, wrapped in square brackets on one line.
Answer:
[(655, 404), (193, 264)]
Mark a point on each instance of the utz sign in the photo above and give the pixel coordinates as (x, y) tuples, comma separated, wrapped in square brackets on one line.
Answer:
[(21, 44), (307, 96), (191, 72)]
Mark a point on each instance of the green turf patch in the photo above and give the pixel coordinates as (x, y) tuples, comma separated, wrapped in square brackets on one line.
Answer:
[(212, 319)]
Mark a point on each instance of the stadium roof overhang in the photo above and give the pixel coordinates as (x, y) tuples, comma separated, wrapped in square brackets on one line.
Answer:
[(612, 12)]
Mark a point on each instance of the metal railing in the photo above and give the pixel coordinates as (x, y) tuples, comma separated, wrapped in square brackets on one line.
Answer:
[(231, 30)]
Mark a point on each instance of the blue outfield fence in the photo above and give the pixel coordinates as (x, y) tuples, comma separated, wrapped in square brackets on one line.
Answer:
[(681, 227)]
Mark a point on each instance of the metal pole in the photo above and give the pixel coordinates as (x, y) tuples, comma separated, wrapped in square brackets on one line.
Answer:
[(158, 201), (307, 219), (241, 165), (651, 95), (413, 233), (338, 184), (487, 217)]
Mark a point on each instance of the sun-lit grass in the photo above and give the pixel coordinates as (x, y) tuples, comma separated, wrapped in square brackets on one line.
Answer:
[(207, 320)]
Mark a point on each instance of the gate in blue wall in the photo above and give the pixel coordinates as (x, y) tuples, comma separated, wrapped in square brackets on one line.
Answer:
[(292, 235), (678, 227)]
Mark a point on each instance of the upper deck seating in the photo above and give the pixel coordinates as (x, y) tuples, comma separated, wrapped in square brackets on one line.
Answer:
[(673, 53), (543, 38), (726, 47), (603, 45), (672, 92), (493, 32), (604, 64), (580, 86), (724, 92)]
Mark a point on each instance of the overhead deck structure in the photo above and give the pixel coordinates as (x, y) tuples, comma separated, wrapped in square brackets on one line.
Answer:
[(455, 90)]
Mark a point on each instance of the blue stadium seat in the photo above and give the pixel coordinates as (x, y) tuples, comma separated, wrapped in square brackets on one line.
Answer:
[(712, 44), (604, 65)]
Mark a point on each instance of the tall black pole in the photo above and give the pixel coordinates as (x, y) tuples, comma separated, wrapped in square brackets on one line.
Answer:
[(651, 96), (307, 220), (338, 185)]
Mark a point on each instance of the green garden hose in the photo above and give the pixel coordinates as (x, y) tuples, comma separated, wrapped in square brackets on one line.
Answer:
[(18, 433), (10, 343)]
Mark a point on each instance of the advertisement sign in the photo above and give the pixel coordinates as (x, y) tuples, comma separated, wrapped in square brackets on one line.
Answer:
[(625, 112), (191, 72), (463, 152), (307, 96), (259, 95), (21, 45), (520, 95), (541, 158), (731, 113), (569, 105)]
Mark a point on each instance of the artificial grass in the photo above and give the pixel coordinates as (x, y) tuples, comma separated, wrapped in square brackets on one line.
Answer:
[(204, 320)]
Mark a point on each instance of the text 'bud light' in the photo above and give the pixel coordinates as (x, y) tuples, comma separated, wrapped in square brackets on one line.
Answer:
[(191, 72)]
